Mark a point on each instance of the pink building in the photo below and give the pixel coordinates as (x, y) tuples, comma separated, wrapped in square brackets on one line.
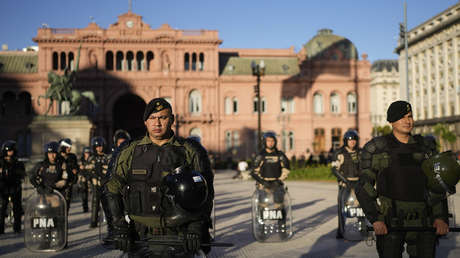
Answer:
[(309, 98)]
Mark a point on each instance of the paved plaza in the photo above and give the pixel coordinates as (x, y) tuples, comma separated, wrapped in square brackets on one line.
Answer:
[(314, 225)]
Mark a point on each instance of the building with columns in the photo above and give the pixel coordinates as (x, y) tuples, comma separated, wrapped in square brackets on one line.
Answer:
[(384, 89), (309, 98), (434, 71)]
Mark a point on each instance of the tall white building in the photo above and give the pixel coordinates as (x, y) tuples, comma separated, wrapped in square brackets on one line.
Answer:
[(434, 67), (384, 89)]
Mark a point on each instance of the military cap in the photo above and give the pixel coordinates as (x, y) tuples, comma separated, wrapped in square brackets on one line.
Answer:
[(398, 110), (156, 105)]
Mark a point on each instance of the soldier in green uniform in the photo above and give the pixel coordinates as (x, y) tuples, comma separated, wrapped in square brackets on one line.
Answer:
[(135, 190), (401, 198)]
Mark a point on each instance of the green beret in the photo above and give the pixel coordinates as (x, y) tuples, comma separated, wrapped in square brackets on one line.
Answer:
[(156, 105), (398, 110)]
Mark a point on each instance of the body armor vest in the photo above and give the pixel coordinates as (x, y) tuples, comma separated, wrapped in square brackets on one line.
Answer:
[(100, 165), (403, 178), (52, 173), (349, 167), (271, 167)]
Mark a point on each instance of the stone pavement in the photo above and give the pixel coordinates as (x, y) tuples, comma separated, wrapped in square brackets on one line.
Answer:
[(314, 226)]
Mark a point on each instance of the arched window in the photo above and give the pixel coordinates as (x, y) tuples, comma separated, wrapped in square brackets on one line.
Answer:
[(63, 60), (201, 65), (109, 61), (130, 60), (236, 139), (194, 62), (120, 61), (335, 103), (351, 103), (263, 105), (150, 57), (228, 106), (318, 103), (71, 61), (235, 105), (55, 61), (228, 140), (25, 103), (195, 102), (140, 61), (187, 61)]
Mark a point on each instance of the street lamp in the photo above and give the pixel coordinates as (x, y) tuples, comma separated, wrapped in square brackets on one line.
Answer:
[(258, 70)]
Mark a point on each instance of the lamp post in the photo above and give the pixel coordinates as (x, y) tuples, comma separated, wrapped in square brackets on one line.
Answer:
[(258, 70)]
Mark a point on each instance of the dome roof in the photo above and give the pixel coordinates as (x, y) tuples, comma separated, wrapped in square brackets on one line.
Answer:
[(327, 46)]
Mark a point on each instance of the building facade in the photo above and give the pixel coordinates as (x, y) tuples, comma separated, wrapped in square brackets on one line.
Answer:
[(309, 98), (434, 71), (384, 89)]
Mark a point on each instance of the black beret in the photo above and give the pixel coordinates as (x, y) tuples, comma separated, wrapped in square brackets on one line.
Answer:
[(156, 105), (398, 110)]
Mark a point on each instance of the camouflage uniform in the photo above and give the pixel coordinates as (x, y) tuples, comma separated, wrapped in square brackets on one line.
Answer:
[(400, 197)]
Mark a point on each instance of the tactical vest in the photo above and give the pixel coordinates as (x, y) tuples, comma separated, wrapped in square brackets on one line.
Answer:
[(7, 173), (52, 173), (100, 165), (144, 178), (349, 167), (271, 167), (402, 177)]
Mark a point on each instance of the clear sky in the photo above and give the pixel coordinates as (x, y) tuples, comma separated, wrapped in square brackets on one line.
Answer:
[(372, 25)]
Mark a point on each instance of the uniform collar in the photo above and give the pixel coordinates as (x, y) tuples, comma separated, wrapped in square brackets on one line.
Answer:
[(146, 140)]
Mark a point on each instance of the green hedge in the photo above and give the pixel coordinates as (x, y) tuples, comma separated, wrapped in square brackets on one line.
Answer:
[(315, 173)]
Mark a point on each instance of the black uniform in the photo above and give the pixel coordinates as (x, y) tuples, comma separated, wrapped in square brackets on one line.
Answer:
[(12, 173), (49, 174), (395, 169), (73, 169), (98, 164), (271, 165), (84, 179), (345, 165)]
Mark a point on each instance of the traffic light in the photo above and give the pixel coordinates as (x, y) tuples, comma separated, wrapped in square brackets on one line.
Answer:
[(402, 31)]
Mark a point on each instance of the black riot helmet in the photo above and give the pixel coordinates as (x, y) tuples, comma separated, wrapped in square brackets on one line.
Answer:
[(188, 188), (269, 134), (51, 147), (96, 142), (8, 146), (350, 135), (120, 134), (86, 149)]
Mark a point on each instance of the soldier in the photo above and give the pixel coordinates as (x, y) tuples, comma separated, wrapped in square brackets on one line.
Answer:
[(98, 164), (84, 177), (65, 146), (272, 166), (52, 172), (394, 164), (147, 171), (345, 167), (12, 173)]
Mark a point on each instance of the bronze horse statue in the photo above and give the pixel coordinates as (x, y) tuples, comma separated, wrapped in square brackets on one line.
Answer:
[(60, 90)]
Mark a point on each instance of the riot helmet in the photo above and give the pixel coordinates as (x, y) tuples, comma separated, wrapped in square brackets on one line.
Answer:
[(51, 147), (8, 146), (96, 142), (269, 134), (350, 135), (86, 149), (120, 134), (442, 171), (188, 188)]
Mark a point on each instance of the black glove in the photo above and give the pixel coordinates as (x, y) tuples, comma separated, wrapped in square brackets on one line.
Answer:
[(121, 236), (44, 189), (192, 237)]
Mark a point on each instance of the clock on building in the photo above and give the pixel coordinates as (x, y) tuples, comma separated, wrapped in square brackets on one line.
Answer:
[(129, 24)]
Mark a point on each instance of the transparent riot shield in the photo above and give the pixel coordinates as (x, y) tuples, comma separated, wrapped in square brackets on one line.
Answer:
[(352, 222), (45, 222), (271, 214)]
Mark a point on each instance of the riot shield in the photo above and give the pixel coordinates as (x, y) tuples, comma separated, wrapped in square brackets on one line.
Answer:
[(352, 222), (271, 213), (45, 222)]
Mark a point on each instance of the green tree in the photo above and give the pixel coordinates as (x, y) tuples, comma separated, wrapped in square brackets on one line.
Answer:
[(445, 136)]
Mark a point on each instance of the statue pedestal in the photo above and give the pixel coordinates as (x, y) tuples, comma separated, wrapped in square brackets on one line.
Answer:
[(53, 128)]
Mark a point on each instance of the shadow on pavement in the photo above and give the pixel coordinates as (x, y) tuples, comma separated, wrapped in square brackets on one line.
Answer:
[(328, 246)]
